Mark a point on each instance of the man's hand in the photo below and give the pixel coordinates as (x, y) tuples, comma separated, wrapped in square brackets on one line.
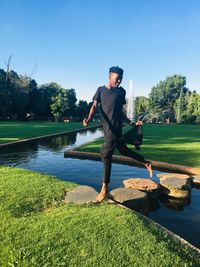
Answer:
[(85, 122), (138, 123)]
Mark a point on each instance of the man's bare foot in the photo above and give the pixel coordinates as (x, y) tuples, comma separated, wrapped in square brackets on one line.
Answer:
[(103, 194), (148, 166), (100, 197)]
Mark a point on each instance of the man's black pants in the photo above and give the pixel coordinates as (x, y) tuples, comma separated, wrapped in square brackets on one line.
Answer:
[(107, 150)]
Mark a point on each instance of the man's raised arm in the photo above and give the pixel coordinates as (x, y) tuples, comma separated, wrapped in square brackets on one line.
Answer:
[(92, 109)]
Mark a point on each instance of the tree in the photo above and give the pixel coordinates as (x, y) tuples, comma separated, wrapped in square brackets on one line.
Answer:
[(82, 109), (163, 96), (20, 95), (141, 106), (9, 87), (34, 95), (193, 107), (71, 98), (60, 103), (44, 99), (5, 99), (8, 63), (180, 106)]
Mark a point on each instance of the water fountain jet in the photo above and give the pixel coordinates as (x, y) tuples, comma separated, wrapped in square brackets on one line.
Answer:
[(130, 106)]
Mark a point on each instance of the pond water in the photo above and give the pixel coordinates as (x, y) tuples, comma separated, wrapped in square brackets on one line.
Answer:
[(47, 156)]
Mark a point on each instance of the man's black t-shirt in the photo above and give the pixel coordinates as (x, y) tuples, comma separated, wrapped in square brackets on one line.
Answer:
[(111, 103)]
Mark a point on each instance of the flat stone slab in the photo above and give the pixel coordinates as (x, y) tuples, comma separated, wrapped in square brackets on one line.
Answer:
[(175, 187), (173, 175), (145, 185), (132, 198), (81, 195), (140, 184), (196, 180)]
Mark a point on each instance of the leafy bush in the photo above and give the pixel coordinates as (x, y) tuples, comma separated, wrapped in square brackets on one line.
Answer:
[(190, 119)]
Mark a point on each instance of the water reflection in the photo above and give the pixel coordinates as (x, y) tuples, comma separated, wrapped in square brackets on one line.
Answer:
[(17, 154), (23, 153), (58, 143), (177, 204)]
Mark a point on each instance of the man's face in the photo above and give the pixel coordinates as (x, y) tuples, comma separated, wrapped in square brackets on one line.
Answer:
[(115, 79)]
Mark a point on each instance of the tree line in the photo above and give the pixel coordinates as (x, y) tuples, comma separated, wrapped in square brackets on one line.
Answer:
[(169, 101), (21, 98)]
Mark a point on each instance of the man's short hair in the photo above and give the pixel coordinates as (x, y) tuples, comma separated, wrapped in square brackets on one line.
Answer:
[(116, 70)]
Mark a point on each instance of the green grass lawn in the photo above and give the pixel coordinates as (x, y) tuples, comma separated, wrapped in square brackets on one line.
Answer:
[(13, 131), (38, 229), (171, 143)]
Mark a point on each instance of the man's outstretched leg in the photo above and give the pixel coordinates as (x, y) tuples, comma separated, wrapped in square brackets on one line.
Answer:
[(123, 149)]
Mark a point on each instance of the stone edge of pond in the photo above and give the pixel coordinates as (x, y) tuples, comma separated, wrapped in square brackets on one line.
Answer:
[(163, 166), (4, 145), (149, 220)]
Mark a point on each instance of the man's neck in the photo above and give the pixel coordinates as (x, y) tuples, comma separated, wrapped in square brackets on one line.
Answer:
[(108, 86)]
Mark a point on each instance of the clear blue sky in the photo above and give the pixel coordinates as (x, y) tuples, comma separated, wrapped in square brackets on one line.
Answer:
[(75, 42)]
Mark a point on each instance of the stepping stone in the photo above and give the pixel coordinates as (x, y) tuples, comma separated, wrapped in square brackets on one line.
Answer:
[(131, 198), (81, 195), (140, 184), (196, 180), (145, 185), (175, 175), (175, 187)]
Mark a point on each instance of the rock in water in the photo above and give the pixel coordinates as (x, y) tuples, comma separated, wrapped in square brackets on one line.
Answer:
[(145, 185), (175, 175), (175, 187), (81, 195), (131, 198), (141, 184), (196, 180)]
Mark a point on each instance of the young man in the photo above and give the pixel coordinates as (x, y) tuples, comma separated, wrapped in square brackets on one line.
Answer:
[(111, 99)]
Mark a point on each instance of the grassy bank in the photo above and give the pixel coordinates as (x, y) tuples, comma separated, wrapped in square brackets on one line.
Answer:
[(37, 229), (13, 131), (168, 143)]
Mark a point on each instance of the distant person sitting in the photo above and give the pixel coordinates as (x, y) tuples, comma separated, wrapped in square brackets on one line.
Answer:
[(111, 99)]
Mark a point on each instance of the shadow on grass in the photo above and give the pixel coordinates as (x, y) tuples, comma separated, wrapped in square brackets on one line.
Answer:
[(30, 207)]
